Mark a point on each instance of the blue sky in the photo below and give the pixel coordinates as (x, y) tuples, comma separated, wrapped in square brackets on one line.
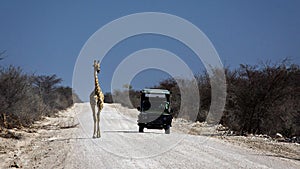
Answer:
[(45, 37)]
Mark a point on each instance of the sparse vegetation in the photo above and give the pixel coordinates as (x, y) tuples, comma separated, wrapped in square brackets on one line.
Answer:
[(26, 98), (120, 97), (264, 99), (261, 99)]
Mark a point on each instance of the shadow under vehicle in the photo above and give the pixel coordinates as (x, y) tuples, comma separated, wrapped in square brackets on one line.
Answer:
[(155, 110)]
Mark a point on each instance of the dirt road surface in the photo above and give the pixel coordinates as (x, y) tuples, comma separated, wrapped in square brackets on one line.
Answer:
[(66, 142), (121, 146)]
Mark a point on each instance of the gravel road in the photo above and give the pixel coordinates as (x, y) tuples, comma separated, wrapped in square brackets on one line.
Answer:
[(121, 146)]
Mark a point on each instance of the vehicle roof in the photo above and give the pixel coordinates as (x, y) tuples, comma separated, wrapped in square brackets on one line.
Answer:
[(155, 91)]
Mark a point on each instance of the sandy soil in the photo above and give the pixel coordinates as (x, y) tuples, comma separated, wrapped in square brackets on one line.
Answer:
[(65, 142), (36, 147)]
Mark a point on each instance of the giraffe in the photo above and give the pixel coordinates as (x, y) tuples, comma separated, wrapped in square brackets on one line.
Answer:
[(96, 99)]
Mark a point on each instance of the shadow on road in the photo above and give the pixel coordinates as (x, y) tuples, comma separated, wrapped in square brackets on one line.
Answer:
[(67, 139), (281, 156), (128, 131)]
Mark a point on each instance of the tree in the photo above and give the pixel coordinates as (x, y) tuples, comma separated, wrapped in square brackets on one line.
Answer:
[(19, 106), (263, 99), (45, 87)]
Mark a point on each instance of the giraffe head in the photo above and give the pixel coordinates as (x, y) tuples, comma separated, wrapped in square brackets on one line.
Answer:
[(97, 66)]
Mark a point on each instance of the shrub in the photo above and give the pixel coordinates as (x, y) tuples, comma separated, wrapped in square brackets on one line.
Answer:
[(18, 106), (26, 98), (261, 99)]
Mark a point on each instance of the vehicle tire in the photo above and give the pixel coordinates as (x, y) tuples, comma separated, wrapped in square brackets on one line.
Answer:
[(168, 130), (141, 129)]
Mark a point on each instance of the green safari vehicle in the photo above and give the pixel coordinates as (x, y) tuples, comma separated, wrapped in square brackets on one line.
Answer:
[(155, 110)]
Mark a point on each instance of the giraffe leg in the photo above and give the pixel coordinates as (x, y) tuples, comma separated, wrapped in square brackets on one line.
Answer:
[(95, 120), (98, 124)]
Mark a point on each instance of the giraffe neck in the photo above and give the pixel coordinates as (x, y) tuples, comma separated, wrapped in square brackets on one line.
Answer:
[(97, 86)]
